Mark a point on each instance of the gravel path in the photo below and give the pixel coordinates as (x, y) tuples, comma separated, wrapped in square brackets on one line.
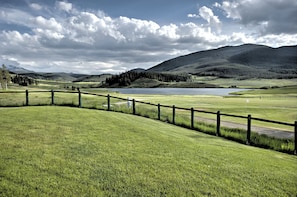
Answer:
[(261, 130)]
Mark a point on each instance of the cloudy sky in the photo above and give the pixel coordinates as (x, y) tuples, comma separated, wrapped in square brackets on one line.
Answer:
[(113, 36)]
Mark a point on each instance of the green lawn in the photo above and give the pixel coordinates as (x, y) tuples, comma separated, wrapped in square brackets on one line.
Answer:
[(60, 151)]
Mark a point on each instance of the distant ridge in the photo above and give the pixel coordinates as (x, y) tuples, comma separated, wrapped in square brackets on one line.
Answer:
[(244, 61), (57, 76), (17, 69)]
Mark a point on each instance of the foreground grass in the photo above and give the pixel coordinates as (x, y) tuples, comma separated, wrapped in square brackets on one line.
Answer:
[(57, 151)]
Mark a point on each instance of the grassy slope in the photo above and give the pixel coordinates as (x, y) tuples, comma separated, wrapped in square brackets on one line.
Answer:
[(57, 151)]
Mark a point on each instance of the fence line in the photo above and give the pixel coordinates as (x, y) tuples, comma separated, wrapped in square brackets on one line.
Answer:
[(218, 114)]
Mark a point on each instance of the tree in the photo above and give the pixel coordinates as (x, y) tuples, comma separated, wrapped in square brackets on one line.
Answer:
[(4, 77)]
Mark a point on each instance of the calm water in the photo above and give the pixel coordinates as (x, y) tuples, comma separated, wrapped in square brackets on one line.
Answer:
[(178, 91)]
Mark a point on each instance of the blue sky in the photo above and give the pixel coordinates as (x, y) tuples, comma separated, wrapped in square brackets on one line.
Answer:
[(112, 36)]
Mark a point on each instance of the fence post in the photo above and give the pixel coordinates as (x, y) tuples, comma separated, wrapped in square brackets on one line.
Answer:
[(159, 112), (108, 102), (173, 114), (27, 97), (295, 129), (192, 117), (218, 123), (53, 101), (248, 132), (79, 98), (133, 104)]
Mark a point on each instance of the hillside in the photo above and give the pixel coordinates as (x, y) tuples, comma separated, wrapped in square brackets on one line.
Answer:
[(70, 77), (60, 151), (244, 61), (54, 76)]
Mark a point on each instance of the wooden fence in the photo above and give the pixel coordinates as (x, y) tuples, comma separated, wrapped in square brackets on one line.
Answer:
[(131, 103)]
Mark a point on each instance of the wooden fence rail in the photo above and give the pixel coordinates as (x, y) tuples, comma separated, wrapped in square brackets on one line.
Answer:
[(159, 106)]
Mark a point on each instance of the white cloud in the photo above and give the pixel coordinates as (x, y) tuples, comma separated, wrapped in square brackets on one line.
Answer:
[(169, 31), (269, 16), (213, 21), (93, 42), (35, 6), (193, 16), (51, 24), (14, 16), (64, 6)]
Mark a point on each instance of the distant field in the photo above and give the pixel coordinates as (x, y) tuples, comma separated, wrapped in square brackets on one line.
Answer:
[(273, 104), (60, 151), (248, 83)]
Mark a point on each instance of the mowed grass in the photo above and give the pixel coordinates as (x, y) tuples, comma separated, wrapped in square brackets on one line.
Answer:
[(61, 151)]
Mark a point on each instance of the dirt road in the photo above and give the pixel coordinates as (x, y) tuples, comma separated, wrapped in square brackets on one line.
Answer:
[(261, 130)]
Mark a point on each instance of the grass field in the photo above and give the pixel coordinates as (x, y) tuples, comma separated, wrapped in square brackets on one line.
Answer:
[(274, 104), (60, 151), (248, 83)]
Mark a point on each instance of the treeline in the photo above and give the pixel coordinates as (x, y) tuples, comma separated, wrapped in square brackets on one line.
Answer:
[(125, 79), (244, 72), (23, 80), (6, 78)]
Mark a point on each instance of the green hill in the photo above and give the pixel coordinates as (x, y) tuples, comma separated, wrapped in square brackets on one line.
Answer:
[(59, 151), (244, 61)]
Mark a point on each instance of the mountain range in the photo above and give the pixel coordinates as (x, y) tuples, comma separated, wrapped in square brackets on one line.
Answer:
[(244, 61), (240, 62)]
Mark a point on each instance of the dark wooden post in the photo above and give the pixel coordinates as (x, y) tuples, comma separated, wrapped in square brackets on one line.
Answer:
[(133, 104), (295, 131), (248, 132), (79, 97), (108, 102), (218, 123), (192, 117), (27, 97), (159, 111), (173, 114), (53, 100)]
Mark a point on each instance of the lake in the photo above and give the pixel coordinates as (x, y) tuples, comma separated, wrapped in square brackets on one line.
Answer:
[(178, 91)]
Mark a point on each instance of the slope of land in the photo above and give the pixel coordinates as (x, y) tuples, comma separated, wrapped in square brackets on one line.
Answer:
[(248, 61), (244, 61), (56, 151)]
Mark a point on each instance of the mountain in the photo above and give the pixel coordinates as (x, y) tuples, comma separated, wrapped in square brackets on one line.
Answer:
[(17, 69), (55, 76), (244, 61)]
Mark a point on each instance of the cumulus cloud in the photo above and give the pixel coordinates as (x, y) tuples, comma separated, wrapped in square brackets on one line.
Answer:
[(207, 14), (64, 6), (269, 16), (93, 42)]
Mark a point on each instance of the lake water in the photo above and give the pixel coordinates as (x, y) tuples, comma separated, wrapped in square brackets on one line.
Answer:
[(178, 91)]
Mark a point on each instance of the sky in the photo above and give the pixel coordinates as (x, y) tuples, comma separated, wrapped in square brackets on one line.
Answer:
[(114, 36)]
